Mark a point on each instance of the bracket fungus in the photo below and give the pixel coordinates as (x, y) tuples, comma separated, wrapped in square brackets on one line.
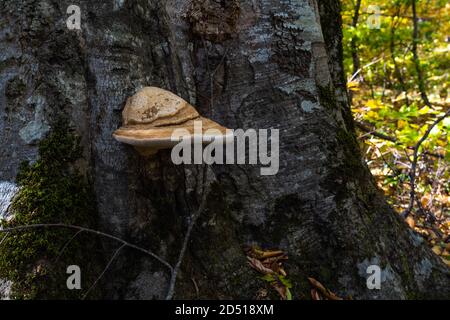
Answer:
[(153, 116)]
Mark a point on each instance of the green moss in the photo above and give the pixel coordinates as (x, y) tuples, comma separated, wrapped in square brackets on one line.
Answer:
[(328, 100), (51, 191)]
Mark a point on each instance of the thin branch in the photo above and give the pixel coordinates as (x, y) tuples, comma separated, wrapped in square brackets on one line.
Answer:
[(106, 235), (212, 78), (365, 127), (4, 238), (67, 244), (412, 175), (353, 77), (197, 291), (187, 237), (104, 270)]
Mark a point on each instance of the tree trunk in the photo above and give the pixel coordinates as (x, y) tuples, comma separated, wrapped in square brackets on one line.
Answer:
[(245, 64)]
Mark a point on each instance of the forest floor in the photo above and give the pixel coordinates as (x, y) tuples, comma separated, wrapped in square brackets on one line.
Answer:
[(397, 63)]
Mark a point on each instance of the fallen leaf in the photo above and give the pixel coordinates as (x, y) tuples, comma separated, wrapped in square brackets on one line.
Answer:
[(281, 289), (411, 222), (258, 266), (258, 253), (275, 259), (327, 293), (315, 295), (437, 250), (261, 294)]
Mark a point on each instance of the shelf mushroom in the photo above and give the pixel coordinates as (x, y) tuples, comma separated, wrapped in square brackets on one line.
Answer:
[(153, 115)]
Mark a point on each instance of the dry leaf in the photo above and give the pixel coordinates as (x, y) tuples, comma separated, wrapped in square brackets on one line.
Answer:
[(275, 259), (315, 295), (327, 293), (258, 266), (269, 262), (411, 222), (261, 294), (281, 289)]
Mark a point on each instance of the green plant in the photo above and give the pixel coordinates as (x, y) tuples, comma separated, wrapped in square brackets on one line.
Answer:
[(52, 190)]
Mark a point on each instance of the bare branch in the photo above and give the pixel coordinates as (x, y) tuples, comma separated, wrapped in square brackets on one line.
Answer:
[(366, 128), (412, 175), (4, 238), (104, 270), (187, 237), (374, 133), (67, 244), (103, 234), (415, 41)]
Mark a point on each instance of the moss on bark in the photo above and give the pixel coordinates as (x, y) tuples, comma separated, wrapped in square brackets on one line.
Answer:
[(51, 191)]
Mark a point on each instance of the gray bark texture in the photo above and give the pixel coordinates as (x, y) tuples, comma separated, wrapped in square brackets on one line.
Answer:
[(245, 64)]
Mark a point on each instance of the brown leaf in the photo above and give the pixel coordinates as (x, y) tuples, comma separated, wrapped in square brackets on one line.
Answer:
[(258, 266), (437, 250), (326, 293), (258, 253), (281, 289), (411, 222), (262, 294), (274, 266), (315, 295), (271, 254)]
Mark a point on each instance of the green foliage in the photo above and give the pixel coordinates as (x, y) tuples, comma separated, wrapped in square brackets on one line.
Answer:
[(280, 282), (387, 98), (52, 190)]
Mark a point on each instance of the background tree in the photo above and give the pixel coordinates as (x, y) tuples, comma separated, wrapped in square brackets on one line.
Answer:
[(246, 64), (402, 108)]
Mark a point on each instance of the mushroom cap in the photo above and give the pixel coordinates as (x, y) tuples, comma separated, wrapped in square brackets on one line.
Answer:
[(152, 115)]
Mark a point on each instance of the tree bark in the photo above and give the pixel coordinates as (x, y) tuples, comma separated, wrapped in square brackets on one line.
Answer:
[(245, 64)]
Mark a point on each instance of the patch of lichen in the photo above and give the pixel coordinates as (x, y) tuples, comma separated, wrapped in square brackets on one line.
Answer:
[(51, 191)]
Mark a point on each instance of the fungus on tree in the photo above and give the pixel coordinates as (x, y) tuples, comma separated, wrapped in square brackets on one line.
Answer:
[(153, 115)]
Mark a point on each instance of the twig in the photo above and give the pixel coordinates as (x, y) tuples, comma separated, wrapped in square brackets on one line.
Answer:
[(197, 291), (187, 237), (369, 130), (106, 235), (365, 127), (363, 67), (104, 270), (4, 238), (67, 244), (412, 175), (212, 78)]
